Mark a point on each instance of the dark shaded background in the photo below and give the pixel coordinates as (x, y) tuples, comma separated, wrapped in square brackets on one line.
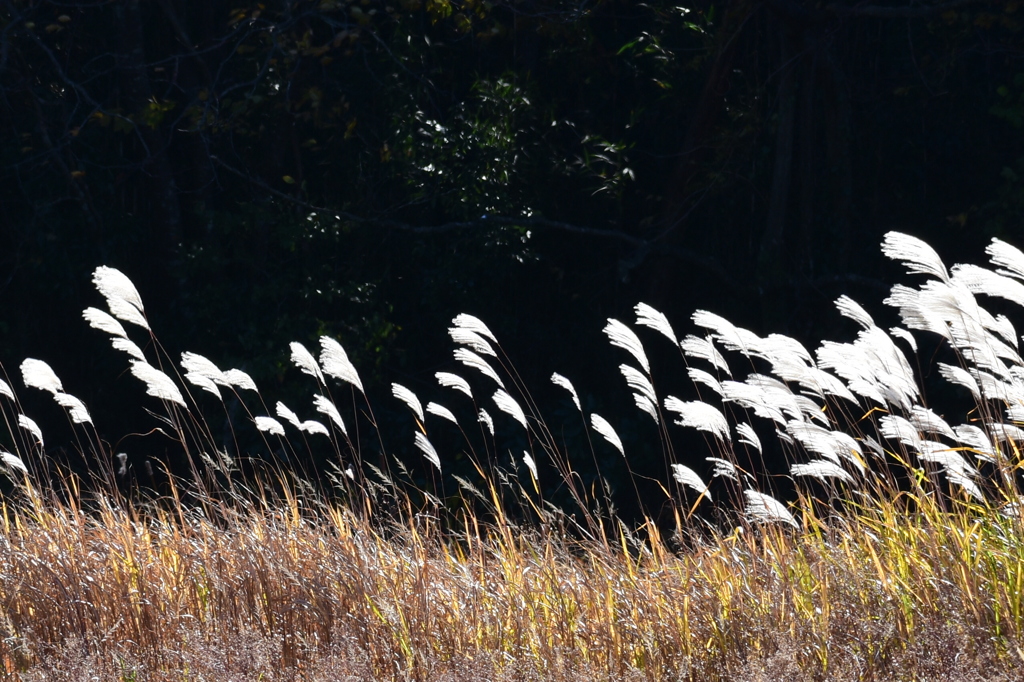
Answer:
[(272, 172)]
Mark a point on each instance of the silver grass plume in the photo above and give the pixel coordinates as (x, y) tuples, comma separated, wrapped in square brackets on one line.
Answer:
[(530, 464), (335, 363), (158, 384), (75, 407), (559, 380), (601, 425), (128, 346), (699, 415), (284, 413), (724, 468), (123, 298), (442, 412), (643, 390), (822, 470), (926, 421), (471, 359), (449, 380), (474, 324), (305, 361), (98, 319), (468, 337), (960, 376), (311, 426), (703, 349), (5, 389), (732, 337), (486, 420), (699, 376), (269, 425), (30, 426), (1007, 257), (325, 406), (763, 508), (410, 399), (427, 449), (901, 333), (853, 310), (201, 372), (649, 317), (38, 374), (623, 337), (976, 439), (508, 405), (240, 380), (13, 462), (918, 256), (686, 476), (979, 280), (748, 436)]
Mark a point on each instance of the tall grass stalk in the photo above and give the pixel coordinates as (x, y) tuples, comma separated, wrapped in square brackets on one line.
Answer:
[(893, 551)]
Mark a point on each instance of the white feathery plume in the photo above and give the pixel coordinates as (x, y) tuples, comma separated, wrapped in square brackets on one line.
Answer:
[(955, 467), (75, 407), (853, 310), (699, 415), (926, 421), (901, 333), (474, 324), (763, 508), (530, 464), (326, 407), (559, 380), (269, 425), (979, 280), (656, 320), (442, 412), (775, 393), (240, 380), (748, 436), (125, 311), (723, 467), (1007, 257), (645, 404), (128, 346), (38, 374), (623, 337), (471, 359), (895, 427), (638, 382), (201, 372), (1005, 329), (508, 405), (410, 399), (1006, 432), (686, 476), (158, 384), (335, 363), (976, 439), (449, 380), (312, 426), (123, 298), (98, 319), (918, 256), (601, 425), (486, 420), (960, 376), (821, 469), (775, 346), (699, 376), (30, 426), (113, 283), (468, 337), (5, 389), (752, 398), (703, 349), (284, 413), (732, 337), (427, 449), (13, 462), (304, 360)]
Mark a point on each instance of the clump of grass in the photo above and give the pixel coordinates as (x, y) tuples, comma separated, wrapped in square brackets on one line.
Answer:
[(896, 554)]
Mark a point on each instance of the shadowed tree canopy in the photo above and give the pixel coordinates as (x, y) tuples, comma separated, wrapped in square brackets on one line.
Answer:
[(271, 171)]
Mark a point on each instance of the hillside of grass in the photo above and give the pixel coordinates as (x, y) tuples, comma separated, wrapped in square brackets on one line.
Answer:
[(889, 549)]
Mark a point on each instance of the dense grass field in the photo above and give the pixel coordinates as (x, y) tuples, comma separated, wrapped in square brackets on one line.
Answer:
[(893, 551)]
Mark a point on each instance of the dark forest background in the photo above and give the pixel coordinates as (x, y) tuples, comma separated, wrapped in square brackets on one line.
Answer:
[(270, 172)]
